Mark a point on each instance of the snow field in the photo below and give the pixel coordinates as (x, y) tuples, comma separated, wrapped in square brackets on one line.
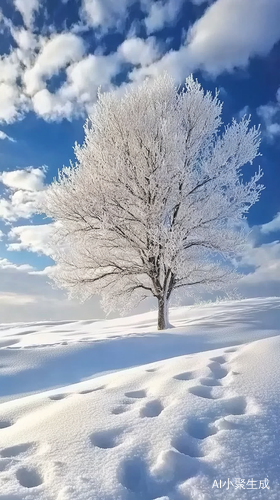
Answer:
[(162, 430)]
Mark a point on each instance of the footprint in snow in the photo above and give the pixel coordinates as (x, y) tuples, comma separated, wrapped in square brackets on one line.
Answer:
[(119, 409), (217, 370), (123, 407), (200, 429), (109, 438), (14, 451), (209, 382), (219, 359), (133, 475), (5, 423), (186, 446), (136, 394), (29, 477), (151, 409), (184, 376), (202, 392), (170, 468), (58, 397)]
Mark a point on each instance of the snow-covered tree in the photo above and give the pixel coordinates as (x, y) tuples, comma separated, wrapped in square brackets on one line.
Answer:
[(156, 199)]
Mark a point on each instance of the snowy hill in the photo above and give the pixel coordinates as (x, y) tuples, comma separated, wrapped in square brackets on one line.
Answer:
[(115, 410)]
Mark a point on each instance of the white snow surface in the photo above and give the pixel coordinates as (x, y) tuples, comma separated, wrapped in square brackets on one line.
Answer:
[(115, 410)]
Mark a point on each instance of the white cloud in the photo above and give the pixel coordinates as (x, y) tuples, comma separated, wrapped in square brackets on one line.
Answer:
[(231, 32), (12, 100), (52, 107), (6, 264), (161, 14), (25, 39), (29, 297), (80, 89), (84, 77), (1, 235), (138, 51), (4, 136), (59, 51), (261, 263), (270, 115), (27, 8), (9, 68), (20, 204), (31, 238), (272, 226), (227, 36), (47, 271), (11, 103), (104, 13), (266, 260), (24, 193), (29, 179)]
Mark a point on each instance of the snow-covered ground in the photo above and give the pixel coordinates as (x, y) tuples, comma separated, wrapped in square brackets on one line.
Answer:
[(114, 410)]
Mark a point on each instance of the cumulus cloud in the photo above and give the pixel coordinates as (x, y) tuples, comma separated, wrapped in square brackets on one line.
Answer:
[(9, 68), (30, 179), (6, 264), (24, 193), (161, 14), (231, 32), (25, 39), (270, 115), (57, 53), (272, 226), (211, 45), (27, 8), (11, 103), (104, 13), (20, 204), (31, 238), (138, 51), (266, 262), (227, 36), (260, 262), (80, 89)]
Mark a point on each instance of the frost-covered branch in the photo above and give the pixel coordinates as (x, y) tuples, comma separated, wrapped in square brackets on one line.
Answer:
[(156, 199)]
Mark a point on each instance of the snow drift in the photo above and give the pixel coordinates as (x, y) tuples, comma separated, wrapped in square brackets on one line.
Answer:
[(115, 410)]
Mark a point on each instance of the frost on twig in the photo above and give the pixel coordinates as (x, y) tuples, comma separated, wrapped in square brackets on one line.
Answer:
[(156, 199)]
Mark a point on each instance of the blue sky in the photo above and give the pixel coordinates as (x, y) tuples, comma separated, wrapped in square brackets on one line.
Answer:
[(55, 54)]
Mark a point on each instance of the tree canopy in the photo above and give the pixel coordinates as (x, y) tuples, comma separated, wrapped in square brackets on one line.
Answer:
[(156, 199)]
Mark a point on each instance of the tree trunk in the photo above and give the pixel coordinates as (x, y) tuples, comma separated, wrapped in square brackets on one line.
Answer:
[(163, 322)]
